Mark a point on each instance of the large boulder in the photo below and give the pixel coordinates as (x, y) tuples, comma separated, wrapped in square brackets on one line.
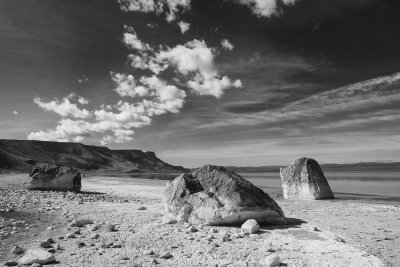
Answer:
[(213, 195), (304, 179), (54, 177)]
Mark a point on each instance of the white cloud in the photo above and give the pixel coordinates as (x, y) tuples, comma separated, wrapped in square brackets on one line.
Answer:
[(146, 62), (116, 122), (265, 8), (83, 101), (64, 108), (127, 85), (83, 79), (171, 7), (78, 139), (131, 40), (15, 112), (138, 5), (196, 58), (120, 136), (183, 26), (226, 44)]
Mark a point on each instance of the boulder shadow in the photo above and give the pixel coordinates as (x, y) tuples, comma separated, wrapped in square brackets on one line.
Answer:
[(90, 193), (286, 223)]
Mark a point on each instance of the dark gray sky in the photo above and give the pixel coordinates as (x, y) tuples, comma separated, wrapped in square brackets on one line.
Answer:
[(250, 82)]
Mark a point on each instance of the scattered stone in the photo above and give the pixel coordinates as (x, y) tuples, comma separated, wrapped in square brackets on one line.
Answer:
[(192, 229), (57, 247), (94, 228), (110, 228), (172, 221), (225, 237), (107, 245), (316, 229), (212, 247), (45, 244), (17, 250), (95, 236), (70, 235), (254, 236), (80, 244), (166, 255), (271, 261), (50, 228), (250, 227), (81, 223), (142, 208), (51, 250), (40, 256), (148, 252), (304, 179), (195, 198), (50, 240)]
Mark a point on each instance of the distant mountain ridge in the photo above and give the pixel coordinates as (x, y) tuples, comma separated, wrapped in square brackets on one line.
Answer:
[(20, 154)]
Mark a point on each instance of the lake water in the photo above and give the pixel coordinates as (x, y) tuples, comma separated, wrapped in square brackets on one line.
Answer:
[(344, 184), (359, 184)]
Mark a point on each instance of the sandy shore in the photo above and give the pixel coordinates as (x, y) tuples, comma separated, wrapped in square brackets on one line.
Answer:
[(350, 232)]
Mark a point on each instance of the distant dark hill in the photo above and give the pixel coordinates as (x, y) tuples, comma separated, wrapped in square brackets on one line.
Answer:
[(20, 154)]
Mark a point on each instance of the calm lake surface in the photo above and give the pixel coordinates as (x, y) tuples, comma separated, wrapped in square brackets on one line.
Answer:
[(360, 183), (346, 184)]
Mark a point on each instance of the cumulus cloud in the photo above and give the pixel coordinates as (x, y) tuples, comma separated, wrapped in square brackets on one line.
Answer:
[(83, 101), (114, 122), (127, 85), (195, 57), (64, 108), (183, 26), (131, 40), (265, 8), (170, 7), (146, 95), (226, 44), (78, 139)]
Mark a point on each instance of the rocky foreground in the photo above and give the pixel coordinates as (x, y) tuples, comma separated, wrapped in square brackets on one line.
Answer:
[(129, 229)]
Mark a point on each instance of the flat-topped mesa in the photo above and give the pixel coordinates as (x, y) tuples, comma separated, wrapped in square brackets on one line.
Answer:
[(304, 179), (213, 195), (46, 176)]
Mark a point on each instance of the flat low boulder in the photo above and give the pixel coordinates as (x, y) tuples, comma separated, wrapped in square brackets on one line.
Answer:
[(304, 179), (213, 195), (39, 256), (54, 177)]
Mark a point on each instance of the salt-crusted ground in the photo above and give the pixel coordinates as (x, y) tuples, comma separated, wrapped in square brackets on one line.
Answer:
[(142, 237)]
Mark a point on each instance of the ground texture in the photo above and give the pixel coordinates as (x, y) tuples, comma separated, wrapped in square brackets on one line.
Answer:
[(129, 229)]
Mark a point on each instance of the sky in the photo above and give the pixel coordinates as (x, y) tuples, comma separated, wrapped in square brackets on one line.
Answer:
[(224, 82)]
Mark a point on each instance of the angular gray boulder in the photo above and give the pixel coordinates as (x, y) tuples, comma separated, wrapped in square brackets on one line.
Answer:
[(213, 195), (304, 179), (54, 177)]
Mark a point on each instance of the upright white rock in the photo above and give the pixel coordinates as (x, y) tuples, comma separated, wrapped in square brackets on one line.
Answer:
[(304, 179)]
